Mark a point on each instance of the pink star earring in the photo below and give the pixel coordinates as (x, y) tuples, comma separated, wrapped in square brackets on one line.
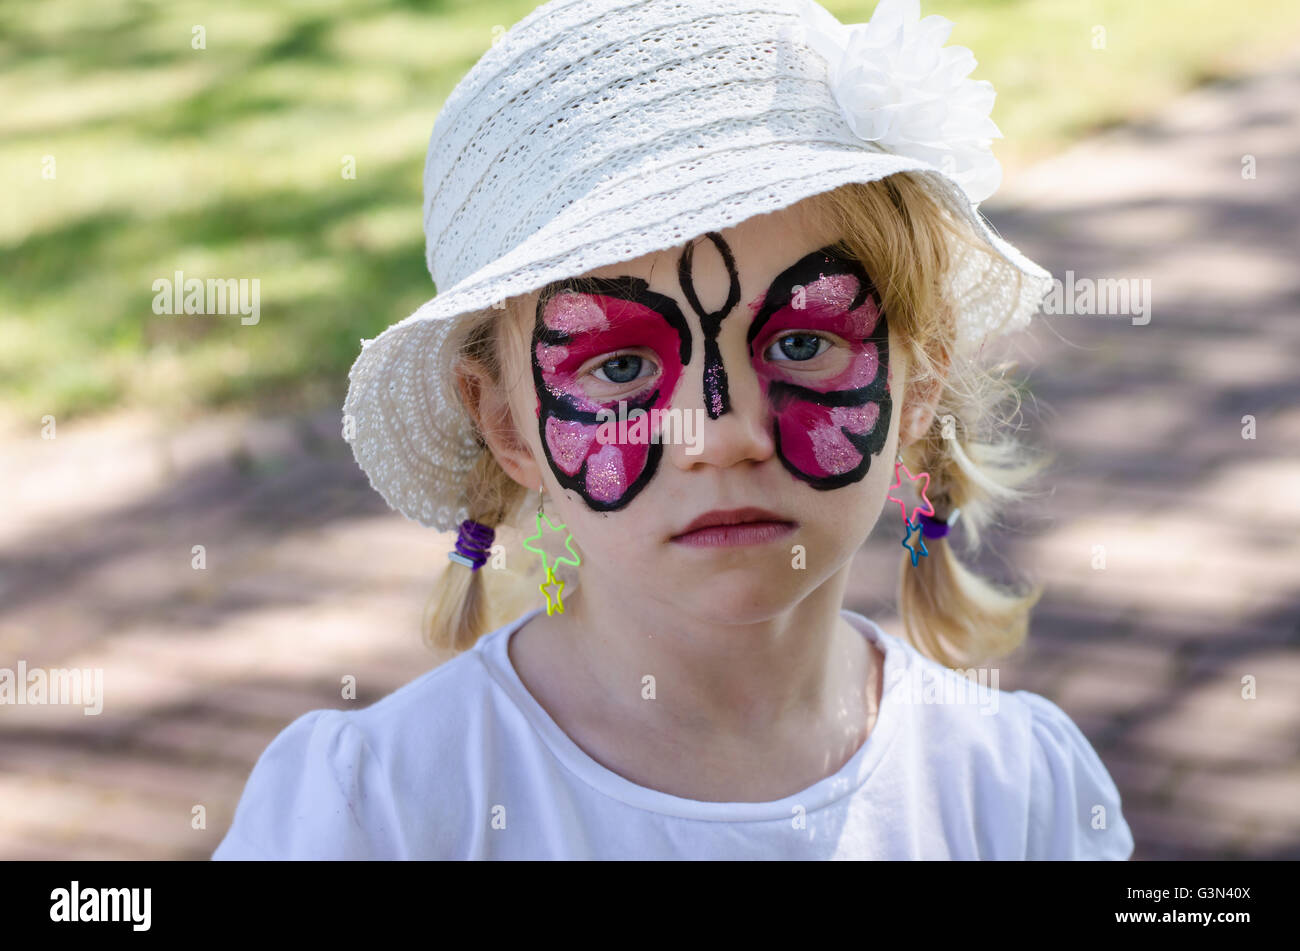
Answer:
[(925, 507), (921, 523)]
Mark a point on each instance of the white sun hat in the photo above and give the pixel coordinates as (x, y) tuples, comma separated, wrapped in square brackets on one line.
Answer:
[(598, 131)]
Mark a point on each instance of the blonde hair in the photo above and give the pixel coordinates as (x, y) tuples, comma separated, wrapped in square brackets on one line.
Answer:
[(908, 243), (460, 614)]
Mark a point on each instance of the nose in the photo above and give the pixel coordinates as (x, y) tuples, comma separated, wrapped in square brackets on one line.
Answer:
[(743, 432)]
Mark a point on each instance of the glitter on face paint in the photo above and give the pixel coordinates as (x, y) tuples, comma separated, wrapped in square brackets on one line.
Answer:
[(714, 384), (857, 419), (860, 372), (576, 314), (569, 441), (606, 480), (865, 319), (551, 357), (833, 452), (831, 297)]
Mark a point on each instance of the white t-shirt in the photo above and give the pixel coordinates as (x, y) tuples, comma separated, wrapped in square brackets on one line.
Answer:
[(463, 763)]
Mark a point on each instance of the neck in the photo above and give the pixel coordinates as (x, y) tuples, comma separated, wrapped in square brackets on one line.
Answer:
[(753, 679)]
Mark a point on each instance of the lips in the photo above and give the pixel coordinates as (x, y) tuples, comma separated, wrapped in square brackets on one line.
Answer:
[(743, 516)]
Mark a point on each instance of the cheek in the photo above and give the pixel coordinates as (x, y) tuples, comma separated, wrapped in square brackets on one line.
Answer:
[(601, 473), (816, 439)]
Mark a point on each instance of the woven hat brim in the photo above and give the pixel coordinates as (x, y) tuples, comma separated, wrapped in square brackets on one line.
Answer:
[(409, 432)]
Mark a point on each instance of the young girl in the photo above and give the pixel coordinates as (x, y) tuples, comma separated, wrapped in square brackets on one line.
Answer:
[(716, 293)]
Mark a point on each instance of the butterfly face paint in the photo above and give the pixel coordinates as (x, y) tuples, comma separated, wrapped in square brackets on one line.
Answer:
[(578, 321), (825, 432)]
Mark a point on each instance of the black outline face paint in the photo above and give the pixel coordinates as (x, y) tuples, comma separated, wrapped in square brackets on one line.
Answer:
[(716, 399), (826, 418), (573, 415)]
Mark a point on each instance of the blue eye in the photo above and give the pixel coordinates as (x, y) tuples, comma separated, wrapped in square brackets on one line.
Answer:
[(798, 346), (621, 369)]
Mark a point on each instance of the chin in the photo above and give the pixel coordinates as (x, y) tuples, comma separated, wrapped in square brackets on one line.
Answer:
[(738, 595)]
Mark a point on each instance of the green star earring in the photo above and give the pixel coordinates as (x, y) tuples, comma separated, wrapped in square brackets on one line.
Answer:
[(543, 523)]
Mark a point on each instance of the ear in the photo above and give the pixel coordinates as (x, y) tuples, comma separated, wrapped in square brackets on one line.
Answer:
[(920, 403), (488, 405)]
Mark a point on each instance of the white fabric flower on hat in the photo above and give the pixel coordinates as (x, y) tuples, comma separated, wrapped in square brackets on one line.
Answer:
[(900, 87)]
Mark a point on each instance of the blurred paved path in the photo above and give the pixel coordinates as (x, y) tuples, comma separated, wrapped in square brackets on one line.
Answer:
[(309, 577), (1200, 527)]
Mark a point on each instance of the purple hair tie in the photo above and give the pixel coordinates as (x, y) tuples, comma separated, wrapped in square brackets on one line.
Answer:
[(472, 544), (938, 527)]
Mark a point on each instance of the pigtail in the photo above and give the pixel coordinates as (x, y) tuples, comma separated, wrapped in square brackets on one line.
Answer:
[(457, 613), (948, 611)]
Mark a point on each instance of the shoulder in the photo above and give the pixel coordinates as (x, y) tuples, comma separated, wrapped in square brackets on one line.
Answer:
[(1026, 766), (1074, 805), (432, 709), (359, 784), (311, 795)]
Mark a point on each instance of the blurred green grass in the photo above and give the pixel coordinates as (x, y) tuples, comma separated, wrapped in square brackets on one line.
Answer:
[(227, 162)]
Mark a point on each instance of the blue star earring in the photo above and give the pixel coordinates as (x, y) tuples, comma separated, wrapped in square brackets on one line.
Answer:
[(920, 540)]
